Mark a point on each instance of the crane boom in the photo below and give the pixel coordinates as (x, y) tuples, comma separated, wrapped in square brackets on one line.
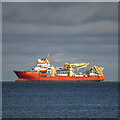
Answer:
[(99, 70), (82, 66), (75, 66), (78, 64), (67, 65)]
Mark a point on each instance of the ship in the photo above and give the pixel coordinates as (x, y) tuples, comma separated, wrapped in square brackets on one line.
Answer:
[(43, 71)]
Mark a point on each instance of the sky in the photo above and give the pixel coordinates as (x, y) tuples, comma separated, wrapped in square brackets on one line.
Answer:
[(69, 32)]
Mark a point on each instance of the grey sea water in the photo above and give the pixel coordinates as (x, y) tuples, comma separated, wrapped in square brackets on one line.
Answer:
[(59, 100)]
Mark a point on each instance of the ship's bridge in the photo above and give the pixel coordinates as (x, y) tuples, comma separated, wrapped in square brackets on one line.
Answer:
[(42, 64)]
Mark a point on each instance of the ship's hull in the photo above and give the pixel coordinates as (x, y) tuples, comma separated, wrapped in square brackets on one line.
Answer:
[(35, 76)]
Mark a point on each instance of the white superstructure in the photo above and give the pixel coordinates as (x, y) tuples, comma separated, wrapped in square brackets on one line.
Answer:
[(42, 64)]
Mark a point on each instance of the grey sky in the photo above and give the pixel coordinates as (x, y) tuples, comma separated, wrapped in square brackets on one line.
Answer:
[(0, 59), (74, 32)]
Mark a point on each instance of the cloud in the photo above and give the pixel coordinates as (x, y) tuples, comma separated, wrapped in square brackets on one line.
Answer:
[(99, 28), (60, 19), (61, 13), (61, 58), (69, 32)]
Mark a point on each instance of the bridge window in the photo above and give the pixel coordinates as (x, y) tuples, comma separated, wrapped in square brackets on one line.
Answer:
[(43, 75)]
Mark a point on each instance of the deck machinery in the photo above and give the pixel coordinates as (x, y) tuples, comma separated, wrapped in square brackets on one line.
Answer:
[(43, 71)]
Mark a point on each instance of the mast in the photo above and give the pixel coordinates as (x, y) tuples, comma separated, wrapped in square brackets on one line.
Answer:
[(48, 57)]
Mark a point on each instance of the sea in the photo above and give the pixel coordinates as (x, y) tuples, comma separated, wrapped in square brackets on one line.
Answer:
[(59, 100)]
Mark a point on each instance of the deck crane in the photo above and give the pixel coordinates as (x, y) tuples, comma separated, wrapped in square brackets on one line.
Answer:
[(82, 66), (75, 66), (99, 70)]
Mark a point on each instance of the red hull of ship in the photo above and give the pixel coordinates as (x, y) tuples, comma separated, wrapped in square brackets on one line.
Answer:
[(35, 76)]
